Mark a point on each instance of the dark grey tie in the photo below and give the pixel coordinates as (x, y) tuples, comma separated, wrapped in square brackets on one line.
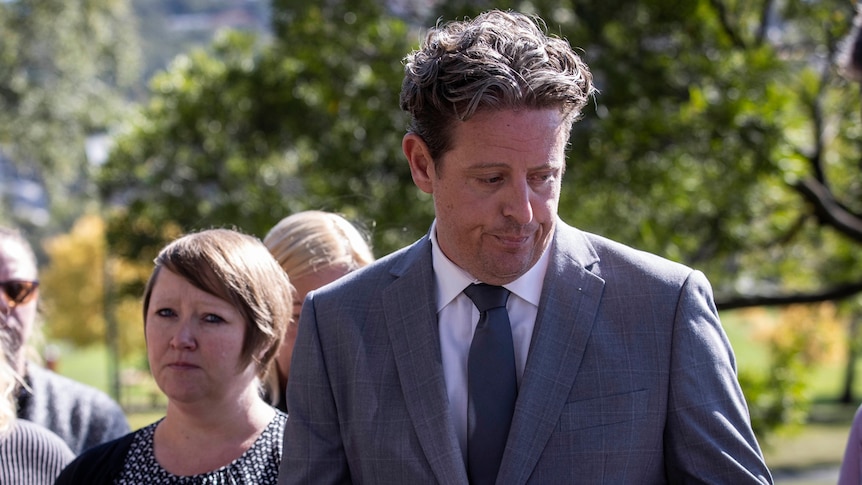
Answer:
[(491, 383)]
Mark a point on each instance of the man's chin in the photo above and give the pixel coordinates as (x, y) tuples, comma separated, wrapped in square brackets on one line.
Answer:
[(499, 274)]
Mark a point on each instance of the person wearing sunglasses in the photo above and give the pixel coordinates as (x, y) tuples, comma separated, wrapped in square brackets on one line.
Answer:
[(81, 415)]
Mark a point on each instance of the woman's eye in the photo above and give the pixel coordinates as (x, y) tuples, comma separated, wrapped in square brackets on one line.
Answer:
[(165, 312), (211, 318)]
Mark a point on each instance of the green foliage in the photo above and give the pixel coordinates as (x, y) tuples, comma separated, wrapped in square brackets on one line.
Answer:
[(75, 283), (791, 343), (690, 117), (63, 67), (778, 400), (247, 133)]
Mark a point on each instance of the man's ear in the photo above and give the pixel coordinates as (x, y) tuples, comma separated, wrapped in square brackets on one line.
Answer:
[(421, 164)]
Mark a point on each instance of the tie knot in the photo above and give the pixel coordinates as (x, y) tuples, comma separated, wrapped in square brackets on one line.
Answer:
[(486, 297)]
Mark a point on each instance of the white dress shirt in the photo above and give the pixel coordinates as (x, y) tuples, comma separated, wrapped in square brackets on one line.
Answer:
[(457, 318)]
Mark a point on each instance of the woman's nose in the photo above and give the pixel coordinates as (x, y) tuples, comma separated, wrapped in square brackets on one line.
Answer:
[(183, 337)]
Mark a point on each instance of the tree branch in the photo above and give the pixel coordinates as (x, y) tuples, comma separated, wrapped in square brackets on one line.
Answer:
[(829, 211), (764, 22), (723, 18), (837, 292)]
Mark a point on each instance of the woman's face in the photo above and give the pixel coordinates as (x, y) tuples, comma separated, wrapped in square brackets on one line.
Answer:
[(194, 343), (17, 321), (304, 285)]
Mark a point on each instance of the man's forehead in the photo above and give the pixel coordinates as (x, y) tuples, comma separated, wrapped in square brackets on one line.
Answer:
[(16, 261)]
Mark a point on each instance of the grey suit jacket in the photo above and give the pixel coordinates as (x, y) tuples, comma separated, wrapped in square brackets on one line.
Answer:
[(629, 378)]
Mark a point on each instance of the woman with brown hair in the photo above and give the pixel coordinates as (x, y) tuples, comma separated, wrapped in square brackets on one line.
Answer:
[(215, 311)]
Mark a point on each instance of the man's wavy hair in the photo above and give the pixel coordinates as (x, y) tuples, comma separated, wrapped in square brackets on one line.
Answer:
[(496, 61)]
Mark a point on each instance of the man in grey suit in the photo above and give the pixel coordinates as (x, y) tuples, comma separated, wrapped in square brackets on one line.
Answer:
[(623, 373)]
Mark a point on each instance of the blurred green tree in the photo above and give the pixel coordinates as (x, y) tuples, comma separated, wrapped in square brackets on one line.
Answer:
[(73, 288), (247, 132), (64, 68)]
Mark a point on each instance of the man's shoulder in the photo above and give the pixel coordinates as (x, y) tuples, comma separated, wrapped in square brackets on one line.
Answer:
[(608, 246), (608, 253), (80, 414), (390, 266)]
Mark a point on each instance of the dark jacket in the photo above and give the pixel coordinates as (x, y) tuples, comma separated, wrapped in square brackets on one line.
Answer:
[(98, 465)]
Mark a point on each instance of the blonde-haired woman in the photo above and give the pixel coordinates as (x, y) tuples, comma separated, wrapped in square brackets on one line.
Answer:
[(314, 248)]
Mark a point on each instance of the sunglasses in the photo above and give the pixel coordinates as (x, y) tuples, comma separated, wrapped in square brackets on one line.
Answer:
[(18, 292)]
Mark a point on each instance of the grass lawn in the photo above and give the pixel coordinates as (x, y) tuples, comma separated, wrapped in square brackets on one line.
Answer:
[(142, 401), (820, 443), (88, 365)]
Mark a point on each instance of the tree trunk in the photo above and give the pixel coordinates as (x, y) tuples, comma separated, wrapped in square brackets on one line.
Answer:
[(850, 371)]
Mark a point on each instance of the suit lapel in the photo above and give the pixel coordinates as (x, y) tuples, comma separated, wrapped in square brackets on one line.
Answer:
[(411, 319), (570, 300)]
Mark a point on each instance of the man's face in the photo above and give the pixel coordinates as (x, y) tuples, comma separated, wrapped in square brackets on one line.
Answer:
[(497, 190), (16, 322)]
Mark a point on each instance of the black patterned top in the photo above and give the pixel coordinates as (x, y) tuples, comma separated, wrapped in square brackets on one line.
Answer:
[(257, 466)]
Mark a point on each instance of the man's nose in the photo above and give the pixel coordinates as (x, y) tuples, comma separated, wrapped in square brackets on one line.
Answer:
[(517, 202)]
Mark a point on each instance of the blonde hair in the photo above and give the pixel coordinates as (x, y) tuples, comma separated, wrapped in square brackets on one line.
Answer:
[(305, 242), (308, 241), (9, 380)]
